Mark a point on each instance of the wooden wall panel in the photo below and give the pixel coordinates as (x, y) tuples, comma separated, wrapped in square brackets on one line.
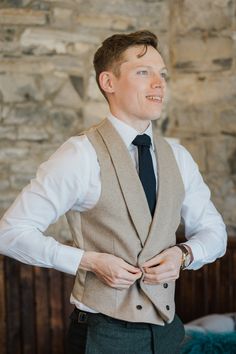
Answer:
[(2, 306), (35, 308), (211, 289), (13, 306), (42, 303), (27, 309), (56, 321)]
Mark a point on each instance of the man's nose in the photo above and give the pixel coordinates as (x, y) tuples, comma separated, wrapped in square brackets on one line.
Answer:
[(157, 82)]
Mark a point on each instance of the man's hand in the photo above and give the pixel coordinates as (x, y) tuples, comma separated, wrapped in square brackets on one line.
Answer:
[(163, 267), (111, 270)]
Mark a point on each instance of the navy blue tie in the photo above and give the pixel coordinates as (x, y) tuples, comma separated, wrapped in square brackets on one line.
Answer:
[(146, 171)]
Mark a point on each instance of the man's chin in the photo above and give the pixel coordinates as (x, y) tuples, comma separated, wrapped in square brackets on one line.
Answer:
[(155, 117)]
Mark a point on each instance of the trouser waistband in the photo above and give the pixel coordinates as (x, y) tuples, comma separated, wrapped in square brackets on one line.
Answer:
[(79, 316)]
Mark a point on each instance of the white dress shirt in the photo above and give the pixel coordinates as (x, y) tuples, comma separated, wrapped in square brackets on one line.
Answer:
[(70, 179)]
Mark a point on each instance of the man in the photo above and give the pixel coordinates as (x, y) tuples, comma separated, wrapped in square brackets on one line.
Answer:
[(123, 223)]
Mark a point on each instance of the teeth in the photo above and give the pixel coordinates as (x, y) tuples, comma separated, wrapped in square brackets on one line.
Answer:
[(155, 98)]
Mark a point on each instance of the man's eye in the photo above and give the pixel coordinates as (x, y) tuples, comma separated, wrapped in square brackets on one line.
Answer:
[(164, 75), (142, 72)]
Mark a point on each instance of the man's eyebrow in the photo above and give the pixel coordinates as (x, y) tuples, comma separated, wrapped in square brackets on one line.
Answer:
[(150, 67)]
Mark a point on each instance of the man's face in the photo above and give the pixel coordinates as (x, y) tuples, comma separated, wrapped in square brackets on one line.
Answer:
[(140, 88)]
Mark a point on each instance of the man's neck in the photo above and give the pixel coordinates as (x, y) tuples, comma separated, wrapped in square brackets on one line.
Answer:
[(138, 124)]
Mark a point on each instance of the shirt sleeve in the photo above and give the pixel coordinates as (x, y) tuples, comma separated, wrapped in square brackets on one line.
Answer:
[(205, 230), (59, 184)]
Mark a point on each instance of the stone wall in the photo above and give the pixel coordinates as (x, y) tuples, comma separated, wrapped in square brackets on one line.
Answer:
[(48, 91)]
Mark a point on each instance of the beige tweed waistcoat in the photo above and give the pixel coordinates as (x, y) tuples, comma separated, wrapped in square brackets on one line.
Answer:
[(121, 224)]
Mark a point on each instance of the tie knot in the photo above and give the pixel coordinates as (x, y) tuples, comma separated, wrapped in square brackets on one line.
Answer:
[(142, 140)]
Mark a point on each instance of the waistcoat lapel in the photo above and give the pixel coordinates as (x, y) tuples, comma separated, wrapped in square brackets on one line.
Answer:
[(170, 192), (130, 184)]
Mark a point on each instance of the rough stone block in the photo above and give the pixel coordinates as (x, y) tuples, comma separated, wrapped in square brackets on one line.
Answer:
[(62, 16), (93, 91), (118, 23), (51, 84), (203, 88), (202, 15), (155, 12), (7, 198), (8, 153), (68, 97), (80, 49), (22, 17), (228, 121), (63, 123), (7, 132), (94, 112), (26, 65), (19, 88), (78, 84), (65, 64), (32, 133), (223, 195), (52, 41), (4, 182), (9, 47), (28, 166), (192, 54), (221, 151), (197, 148), (24, 114), (190, 120), (20, 180)]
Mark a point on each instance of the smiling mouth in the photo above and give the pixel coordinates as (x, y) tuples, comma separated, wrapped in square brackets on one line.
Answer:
[(158, 99)]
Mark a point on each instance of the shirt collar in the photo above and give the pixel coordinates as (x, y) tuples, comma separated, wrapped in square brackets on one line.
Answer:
[(127, 132)]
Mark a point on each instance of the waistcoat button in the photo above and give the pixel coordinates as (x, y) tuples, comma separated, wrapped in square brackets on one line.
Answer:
[(167, 307), (165, 285), (139, 307)]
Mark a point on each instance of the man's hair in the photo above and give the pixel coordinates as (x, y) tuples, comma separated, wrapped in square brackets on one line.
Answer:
[(110, 55)]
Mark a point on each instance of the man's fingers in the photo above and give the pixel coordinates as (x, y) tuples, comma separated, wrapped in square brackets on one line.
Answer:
[(128, 276), (160, 278), (114, 271), (131, 268), (162, 273), (161, 268), (122, 281), (153, 261)]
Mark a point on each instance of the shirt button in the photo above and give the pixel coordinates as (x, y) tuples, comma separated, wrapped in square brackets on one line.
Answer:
[(165, 285), (139, 307), (167, 307)]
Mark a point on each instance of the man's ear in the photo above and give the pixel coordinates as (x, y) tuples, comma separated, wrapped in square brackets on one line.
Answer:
[(106, 81)]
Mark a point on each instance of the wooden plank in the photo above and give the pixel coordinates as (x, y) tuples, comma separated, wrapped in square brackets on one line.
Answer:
[(205, 272), (13, 306), (68, 282), (224, 305), (27, 309), (2, 307), (233, 281), (185, 292), (67, 286), (42, 312), (57, 326)]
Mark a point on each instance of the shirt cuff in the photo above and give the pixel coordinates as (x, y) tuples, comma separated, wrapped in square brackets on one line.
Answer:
[(67, 259), (198, 254)]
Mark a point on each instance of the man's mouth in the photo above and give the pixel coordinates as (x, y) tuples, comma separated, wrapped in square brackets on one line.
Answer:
[(155, 98)]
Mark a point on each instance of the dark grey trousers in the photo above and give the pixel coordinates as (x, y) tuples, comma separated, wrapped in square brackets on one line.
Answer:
[(100, 334)]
